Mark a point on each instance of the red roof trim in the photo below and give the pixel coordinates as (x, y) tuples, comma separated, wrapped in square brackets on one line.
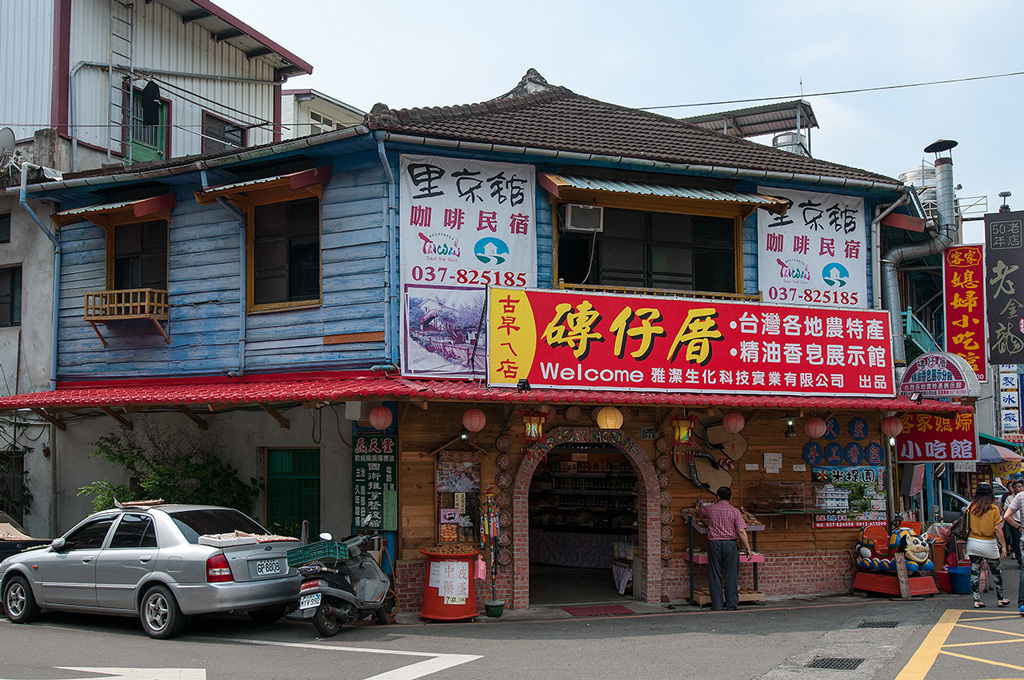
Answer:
[(305, 388), (235, 22)]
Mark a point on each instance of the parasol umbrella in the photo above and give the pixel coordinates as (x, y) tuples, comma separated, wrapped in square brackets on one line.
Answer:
[(992, 454)]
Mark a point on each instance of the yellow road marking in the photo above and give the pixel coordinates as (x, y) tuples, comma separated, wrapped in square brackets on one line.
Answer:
[(993, 616), (992, 663), (919, 665), (987, 642), (990, 630)]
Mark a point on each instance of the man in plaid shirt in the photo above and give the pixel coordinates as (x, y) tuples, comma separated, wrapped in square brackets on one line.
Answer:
[(725, 526), (1013, 515)]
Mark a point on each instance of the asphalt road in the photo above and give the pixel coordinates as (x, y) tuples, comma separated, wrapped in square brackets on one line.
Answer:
[(936, 638)]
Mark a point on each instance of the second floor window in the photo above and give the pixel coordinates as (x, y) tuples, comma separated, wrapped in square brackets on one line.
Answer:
[(286, 253), (149, 142), (139, 256), (5, 228), (640, 249), (10, 296), (220, 135)]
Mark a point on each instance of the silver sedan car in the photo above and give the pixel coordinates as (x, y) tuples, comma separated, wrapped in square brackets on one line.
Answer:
[(161, 563)]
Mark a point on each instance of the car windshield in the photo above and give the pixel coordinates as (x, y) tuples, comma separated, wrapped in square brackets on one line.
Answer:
[(196, 523)]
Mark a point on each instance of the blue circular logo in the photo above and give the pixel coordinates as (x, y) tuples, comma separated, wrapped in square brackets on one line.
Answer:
[(854, 453), (873, 453), (835, 274), (858, 429), (490, 250), (833, 453), (812, 453)]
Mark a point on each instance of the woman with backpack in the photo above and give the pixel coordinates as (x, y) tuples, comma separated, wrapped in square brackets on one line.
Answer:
[(985, 543)]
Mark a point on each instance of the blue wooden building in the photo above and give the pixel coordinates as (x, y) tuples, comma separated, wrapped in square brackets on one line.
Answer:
[(259, 300)]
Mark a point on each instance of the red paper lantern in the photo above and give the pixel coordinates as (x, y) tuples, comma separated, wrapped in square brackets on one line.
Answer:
[(733, 422), (474, 420), (381, 417), (815, 427), (892, 426)]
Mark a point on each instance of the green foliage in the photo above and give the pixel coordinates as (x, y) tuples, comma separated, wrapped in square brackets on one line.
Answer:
[(174, 466)]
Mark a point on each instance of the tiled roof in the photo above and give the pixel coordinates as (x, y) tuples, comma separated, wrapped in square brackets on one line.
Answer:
[(252, 390), (558, 119)]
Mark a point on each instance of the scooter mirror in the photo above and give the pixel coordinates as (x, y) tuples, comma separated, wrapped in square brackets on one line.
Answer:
[(325, 536)]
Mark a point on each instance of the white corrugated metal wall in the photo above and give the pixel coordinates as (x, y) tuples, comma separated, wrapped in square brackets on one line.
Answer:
[(163, 42), (26, 52)]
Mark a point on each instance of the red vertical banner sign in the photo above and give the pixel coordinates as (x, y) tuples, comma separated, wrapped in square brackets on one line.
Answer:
[(963, 271)]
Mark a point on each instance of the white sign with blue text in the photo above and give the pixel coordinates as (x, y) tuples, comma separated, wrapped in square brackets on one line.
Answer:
[(816, 253)]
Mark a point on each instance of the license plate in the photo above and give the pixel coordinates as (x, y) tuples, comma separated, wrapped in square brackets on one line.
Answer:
[(266, 567), (309, 601)]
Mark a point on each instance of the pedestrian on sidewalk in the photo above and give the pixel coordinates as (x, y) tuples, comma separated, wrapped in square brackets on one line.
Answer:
[(725, 527), (985, 542), (1010, 532), (1013, 514)]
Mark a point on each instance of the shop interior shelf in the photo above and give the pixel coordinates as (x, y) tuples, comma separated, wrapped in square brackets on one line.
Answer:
[(593, 492)]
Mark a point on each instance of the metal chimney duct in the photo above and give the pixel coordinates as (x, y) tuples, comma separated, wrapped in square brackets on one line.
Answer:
[(943, 237)]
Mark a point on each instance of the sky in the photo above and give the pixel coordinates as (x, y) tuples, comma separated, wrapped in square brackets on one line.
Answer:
[(645, 53)]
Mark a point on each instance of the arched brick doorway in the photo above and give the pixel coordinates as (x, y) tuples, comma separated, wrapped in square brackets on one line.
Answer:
[(648, 510)]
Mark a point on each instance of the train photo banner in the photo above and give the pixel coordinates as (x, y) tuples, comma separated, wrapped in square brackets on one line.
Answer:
[(600, 341)]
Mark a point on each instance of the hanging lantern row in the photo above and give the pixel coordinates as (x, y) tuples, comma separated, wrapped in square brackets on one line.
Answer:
[(815, 427), (474, 420), (533, 425), (682, 429), (381, 417), (733, 422)]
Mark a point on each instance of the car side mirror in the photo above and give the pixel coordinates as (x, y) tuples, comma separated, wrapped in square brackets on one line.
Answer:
[(57, 543)]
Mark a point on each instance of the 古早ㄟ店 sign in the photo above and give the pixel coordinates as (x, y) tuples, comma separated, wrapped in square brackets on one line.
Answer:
[(563, 339)]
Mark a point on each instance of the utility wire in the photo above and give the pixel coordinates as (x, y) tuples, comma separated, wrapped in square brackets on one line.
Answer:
[(834, 92)]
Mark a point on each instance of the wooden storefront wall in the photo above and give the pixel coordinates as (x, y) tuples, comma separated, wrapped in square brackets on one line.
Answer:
[(800, 560)]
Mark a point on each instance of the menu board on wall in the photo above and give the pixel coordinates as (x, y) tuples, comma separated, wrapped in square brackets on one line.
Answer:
[(849, 496), (375, 482), (816, 253)]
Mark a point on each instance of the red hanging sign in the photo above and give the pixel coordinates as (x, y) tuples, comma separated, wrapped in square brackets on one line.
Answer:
[(963, 270)]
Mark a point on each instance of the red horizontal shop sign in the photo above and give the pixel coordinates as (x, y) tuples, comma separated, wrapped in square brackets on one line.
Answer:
[(569, 339)]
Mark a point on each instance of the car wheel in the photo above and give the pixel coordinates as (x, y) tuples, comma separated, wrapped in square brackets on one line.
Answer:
[(267, 615), (161, 617), (326, 625), (19, 602)]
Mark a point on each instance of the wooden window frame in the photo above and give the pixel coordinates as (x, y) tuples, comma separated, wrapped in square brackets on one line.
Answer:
[(272, 197), (128, 99), (676, 206), (110, 227)]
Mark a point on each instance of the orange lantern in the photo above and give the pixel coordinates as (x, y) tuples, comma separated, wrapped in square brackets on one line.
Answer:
[(609, 418), (381, 417), (815, 427), (733, 422), (474, 420)]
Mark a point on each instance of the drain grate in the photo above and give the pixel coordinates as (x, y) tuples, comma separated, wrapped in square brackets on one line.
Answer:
[(835, 663), (878, 624)]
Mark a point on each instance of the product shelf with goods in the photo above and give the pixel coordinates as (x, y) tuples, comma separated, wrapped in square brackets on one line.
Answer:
[(696, 525)]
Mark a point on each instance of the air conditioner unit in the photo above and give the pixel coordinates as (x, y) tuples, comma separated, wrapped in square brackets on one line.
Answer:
[(583, 218)]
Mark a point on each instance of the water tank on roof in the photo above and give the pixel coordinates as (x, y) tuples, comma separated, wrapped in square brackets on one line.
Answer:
[(922, 178), (793, 142)]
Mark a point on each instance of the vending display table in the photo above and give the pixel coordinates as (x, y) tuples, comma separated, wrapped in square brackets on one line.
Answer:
[(449, 593), (695, 557)]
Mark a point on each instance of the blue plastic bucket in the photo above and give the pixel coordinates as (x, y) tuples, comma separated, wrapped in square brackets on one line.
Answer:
[(959, 579)]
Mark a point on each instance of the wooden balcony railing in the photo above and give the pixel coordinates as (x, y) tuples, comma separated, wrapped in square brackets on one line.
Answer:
[(123, 305)]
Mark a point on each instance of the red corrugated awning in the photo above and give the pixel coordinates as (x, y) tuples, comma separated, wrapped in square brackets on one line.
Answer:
[(252, 390)]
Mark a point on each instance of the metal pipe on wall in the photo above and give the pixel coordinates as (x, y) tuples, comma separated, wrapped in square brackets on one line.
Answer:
[(389, 230)]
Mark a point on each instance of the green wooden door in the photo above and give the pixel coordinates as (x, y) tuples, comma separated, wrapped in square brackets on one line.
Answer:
[(293, 490)]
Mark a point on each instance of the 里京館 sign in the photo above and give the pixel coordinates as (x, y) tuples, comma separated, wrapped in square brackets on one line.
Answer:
[(578, 340)]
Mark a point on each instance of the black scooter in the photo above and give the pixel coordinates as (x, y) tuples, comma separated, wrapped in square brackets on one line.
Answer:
[(349, 587)]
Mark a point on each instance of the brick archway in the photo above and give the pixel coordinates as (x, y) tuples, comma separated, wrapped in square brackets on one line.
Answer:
[(648, 507)]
